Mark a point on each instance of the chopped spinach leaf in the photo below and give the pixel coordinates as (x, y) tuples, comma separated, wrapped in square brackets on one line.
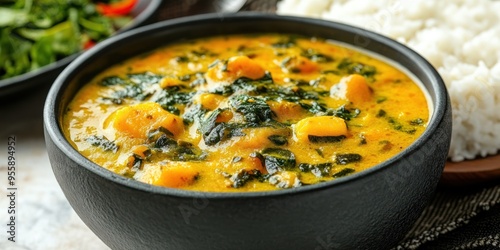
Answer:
[(344, 113), (399, 126), (350, 67), (182, 59), (247, 85), (172, 97), (129, 91), (381, 99), (286, 42), (278, 140), (112, 80), (212, 131), (145, 78), (325, 139), (313, 107), (316, 56), (395, 123), (163, 142), (240, 178), (321, 109), (217, 134), (253, 108), (135, 86), (277, 159), (193, 113), (200, 80), (135, 163), (319, 170), (381, 113), (417, 122), (335, 72), (320, 152), (343, 172), (343, 159), (362, 139), (161, 137), (202, 52), (102, 142)]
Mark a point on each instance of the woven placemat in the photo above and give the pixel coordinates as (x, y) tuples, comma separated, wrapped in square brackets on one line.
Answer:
[(467, 218)]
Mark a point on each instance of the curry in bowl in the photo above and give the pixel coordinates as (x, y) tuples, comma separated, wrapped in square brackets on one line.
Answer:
[(246, 113)]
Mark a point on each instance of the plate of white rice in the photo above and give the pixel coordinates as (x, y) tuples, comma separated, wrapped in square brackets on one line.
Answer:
[(460, 38)]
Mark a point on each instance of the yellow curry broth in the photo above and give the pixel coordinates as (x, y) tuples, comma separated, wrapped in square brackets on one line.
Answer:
[(246, 113)]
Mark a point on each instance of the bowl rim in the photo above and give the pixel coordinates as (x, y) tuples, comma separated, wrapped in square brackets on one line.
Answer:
[(27, 78), (55, 133)]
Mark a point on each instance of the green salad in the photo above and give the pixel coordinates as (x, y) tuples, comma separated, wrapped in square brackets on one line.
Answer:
[(35, 33)]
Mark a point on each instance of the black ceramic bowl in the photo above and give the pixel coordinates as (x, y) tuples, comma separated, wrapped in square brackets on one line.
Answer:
[(143, 14), (372, 209)]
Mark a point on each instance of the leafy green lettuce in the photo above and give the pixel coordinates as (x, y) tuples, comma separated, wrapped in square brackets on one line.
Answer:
[(35, 33)]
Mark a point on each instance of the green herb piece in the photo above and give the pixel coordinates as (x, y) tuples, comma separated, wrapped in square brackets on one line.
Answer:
[(135, 86), (326, 139), (240, 178), (350, 67), (182, 59), (343, 172), (319, 170), (287, 42), (112, 80), (136, 163), (212, 131), (320, 152), (381, 113), (254, 87), (381, 99), (103, 143), (277, 159), (200, 80), (417, 122), (344, 113), (253, 108), (315, 56), (343, 159), (335, 72), (278, 140), (146, 78), (193, 113), (362, 139), (399, 126), (282, 180), (130, 91), (162, 141), (172, 98), (314, 107)]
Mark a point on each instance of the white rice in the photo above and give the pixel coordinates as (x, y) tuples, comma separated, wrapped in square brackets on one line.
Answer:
[(460, 38)]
